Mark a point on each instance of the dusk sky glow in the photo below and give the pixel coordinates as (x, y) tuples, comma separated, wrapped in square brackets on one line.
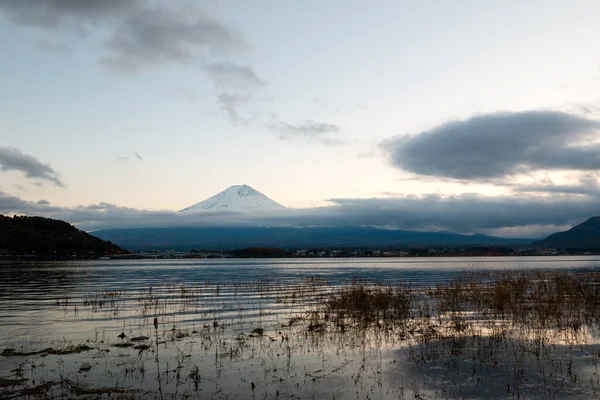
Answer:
[(389, 111)]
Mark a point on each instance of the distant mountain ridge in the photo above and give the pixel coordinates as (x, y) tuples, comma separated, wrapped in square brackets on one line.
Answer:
[(583, 236), (49, 237), (224, 238), (238, 198)]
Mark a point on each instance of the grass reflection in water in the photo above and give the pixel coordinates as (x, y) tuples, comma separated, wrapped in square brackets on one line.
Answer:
[(527, 334)]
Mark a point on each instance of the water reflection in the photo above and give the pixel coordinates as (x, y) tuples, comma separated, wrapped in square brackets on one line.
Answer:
[(257, 328)]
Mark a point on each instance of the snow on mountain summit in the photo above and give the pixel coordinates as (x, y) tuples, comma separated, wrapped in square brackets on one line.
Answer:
[(240, 198)]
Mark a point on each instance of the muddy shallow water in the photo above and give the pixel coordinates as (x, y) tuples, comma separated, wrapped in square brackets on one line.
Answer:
[(257, 329)]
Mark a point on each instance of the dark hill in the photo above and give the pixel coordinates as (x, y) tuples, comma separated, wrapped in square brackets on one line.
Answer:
[(582, 236), (49, 237), (241, 237)]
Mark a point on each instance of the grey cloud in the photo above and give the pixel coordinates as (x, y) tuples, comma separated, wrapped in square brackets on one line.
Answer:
[(137, 156), (21, 188), (55, 14), (181, 33), (559, 189), (13, 204), (143, 34), (366, 154), (498, 145), (463, 214), (87, 217), (324, 133), (13, 160), (331, 141), (234, 84), (183, 93), (586, 185), (528, 231), (164, 35), (231, 104), (468, 212), (586, 110), (57, 48), (10, 204), (150, 34), (232, 75)]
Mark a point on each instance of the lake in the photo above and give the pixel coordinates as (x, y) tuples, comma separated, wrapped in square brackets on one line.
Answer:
[(230, 329)]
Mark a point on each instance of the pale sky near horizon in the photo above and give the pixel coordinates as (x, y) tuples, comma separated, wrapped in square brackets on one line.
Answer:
[(160, 104)]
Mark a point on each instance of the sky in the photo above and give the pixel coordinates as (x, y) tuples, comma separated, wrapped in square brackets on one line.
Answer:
[(468, 116)]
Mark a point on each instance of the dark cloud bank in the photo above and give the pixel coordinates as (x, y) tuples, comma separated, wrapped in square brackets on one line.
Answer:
[(462, 214), (499, 145)]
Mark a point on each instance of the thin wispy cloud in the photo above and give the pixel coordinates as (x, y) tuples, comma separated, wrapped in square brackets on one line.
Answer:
[(588, 185), (54, 47), (183, 93), (324, 133), (136, 156), (232, 75), (12, 159), (232, 103), (499, 145), (235, 85), (367, 154)]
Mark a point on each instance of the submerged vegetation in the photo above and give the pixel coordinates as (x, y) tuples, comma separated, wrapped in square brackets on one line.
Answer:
[(525, 334)]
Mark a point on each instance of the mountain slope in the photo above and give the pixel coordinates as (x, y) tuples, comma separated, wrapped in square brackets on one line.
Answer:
[(582, 236), (186, 238), (240, 198), (49, 237)]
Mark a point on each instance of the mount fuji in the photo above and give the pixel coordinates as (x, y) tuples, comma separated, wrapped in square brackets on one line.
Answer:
[(247, 204), (238, 198)]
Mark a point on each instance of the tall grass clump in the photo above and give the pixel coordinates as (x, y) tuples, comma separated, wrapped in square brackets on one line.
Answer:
[(538, 300), (366, 304)]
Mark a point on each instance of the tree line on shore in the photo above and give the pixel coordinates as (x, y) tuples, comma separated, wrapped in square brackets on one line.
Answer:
[(49, 238)]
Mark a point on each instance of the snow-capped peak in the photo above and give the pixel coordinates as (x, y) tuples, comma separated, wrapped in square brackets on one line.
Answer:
[(239, 198)]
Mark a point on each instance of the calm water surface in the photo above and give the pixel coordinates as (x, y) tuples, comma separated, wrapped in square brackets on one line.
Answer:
[(30, 291), (204, 344)]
